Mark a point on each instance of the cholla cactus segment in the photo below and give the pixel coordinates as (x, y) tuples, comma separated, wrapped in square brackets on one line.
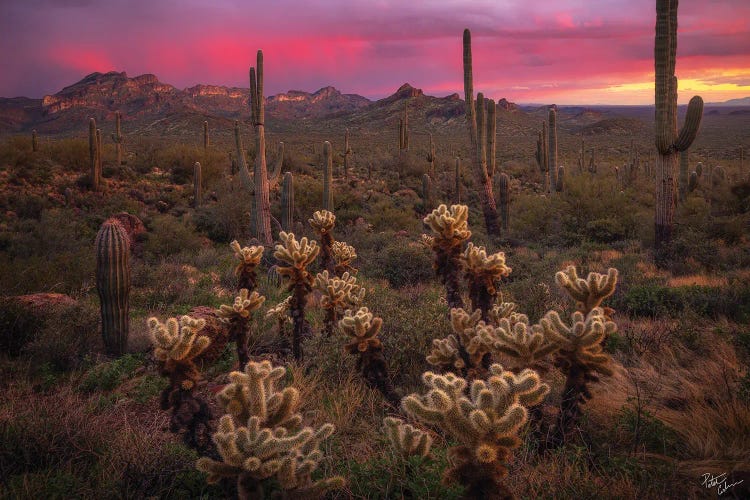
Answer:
[(343, 292), (280, 310), (363, 328), (244, 305), (297, 254), (581, 341), (343, 254), (503, 310), (178, 340), (450, 225), (406, 439), (462, 321), (445, 354), (588, 293), (488, 419), (490, 267), (527, 345), (261, 437), (322, 221), (249, 257)]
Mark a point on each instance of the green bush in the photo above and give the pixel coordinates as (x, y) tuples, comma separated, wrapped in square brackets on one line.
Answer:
[(109, 375), (402, 262)]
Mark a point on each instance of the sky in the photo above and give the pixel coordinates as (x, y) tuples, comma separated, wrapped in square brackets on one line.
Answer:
[(543, 51)]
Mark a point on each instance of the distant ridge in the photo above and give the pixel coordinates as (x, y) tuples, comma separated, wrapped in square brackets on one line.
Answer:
[(742, 101)]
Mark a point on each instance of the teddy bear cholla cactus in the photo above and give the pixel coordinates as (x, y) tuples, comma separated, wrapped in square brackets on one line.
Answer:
[(237, 316), (338, 294), (322, 222), (281, 312), (297, 255), (177, 344), (343, 255), (483, 272), (451, 230), (406, 439), (249, 259), (588, 293), (364, 328), (485, 422), (261, 438)]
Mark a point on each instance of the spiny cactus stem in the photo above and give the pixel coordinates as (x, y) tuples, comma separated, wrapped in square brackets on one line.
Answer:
[(297, 310)]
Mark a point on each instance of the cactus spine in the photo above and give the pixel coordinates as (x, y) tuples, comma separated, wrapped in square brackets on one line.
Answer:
[(287, 202), (552, 154), (347, 152), (327, 177), (118, 138), (260, 172), (94, 165), (197, 185), (206, 141), (479, 159), (34, 142), (668, 141), (504, 200), (113, 284)]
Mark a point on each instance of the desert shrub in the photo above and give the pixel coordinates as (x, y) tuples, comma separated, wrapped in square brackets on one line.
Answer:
[(605, 230), (226, 220), (393, 213), (648, 432), (402, 262), (168, 235), (17, 327), (73, 154), (68, 336), (25, 205), (108, 375), (729, 229)]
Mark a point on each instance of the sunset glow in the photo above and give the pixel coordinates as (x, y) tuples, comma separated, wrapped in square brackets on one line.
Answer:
[(566, 51)]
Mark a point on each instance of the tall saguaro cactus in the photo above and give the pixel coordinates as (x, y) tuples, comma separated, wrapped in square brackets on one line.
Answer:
[(479, 159), (668, 141), (113, 284), (94, 165), (491, 136), (327, 177), (287, 202), (504, 200), (118, 138), (260, 172), (552, 154), (431, 158), (34, 142), (206, 141)]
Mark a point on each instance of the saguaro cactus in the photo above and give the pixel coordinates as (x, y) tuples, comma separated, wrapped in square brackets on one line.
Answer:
[(491, 136), (581, 158), (560, 183), (241, 162), (684, 179), (197, 185), (347, 153), (34, 142), (327, 177), (287, 202), (504, 200), (478, 144), (668, 141), (542, 155), (552, 154), (431, 158), (403, 130), (94, 165), (205, 136), (260, 172), (118, 138), (427, 193), (113, 284)]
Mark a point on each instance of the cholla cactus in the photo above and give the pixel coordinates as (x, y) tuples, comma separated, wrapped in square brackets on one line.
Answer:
[(249, 258), (588, 293), (526, 345), (297, 256), (176, 346), (343, 255), (483, 272), (485, 423), (363, 328), (339, 294), (261, 438), (503, 310), (281, 312), (465, 349), (451, 230), (322, 222), (237, 316), (580, 357), (406, 439)]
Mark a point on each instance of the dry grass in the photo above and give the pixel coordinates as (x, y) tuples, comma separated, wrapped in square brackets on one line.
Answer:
[(698, 280)]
